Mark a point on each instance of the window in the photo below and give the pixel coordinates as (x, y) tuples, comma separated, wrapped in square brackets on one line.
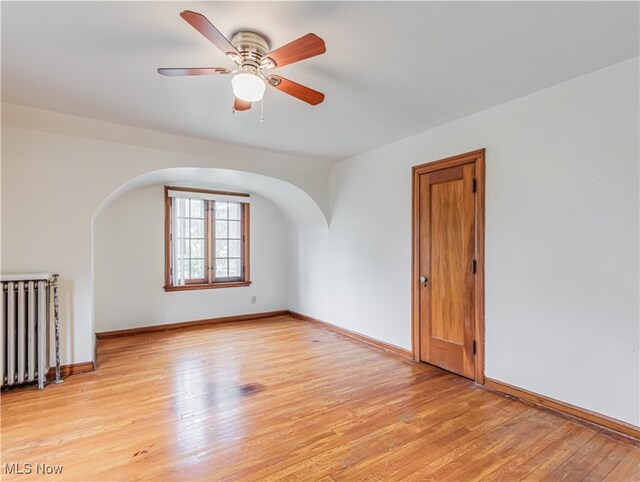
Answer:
[(206, 239)]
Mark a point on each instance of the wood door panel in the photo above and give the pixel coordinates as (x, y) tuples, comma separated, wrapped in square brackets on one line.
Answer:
[(447, 261), (449, 174), (449, 356), (446, 253)]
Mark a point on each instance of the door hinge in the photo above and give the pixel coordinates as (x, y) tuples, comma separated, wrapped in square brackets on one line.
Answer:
[(474, 185), (474, 266), (474, 347)]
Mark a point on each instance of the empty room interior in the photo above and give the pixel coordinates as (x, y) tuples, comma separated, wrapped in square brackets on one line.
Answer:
[(324, 241)]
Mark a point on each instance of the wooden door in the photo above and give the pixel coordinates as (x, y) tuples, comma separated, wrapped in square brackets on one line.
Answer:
[(447, 267)]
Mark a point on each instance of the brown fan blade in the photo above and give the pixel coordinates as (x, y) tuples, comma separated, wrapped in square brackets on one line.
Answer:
[(193, 71), (305, 47), (239, 104), (299, 91), (206, 28)]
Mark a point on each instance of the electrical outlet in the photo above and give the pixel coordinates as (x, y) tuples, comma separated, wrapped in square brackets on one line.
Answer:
[(253, 299)]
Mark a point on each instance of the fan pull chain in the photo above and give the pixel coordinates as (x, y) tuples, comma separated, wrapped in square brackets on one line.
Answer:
[(262, 119)]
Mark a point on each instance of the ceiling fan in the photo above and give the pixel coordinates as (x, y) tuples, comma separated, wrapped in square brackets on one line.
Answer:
[(251, 53)]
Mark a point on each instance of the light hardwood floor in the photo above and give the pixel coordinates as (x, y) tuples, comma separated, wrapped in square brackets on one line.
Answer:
[(282, 399)]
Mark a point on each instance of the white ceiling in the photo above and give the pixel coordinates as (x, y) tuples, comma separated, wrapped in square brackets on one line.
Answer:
[(391, 69)]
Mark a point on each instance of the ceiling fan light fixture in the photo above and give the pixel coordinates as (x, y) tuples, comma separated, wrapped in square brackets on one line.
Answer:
[(248, 87)]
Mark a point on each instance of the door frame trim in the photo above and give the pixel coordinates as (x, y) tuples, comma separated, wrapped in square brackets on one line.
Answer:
[(478, 158)]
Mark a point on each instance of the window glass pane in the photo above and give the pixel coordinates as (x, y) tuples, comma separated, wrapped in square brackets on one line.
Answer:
[(197, 248), (197, 208), (221, 209), (234, 229), (186, 272), (221, 268), (234, 211), (179, 228), (177, 206), (196, 228), (197, 268), (221, 229), (234, 268), (234, 249), (221, 248), (183, 248)]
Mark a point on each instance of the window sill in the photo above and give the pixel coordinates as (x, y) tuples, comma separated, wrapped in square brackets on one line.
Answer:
[(231, 284)]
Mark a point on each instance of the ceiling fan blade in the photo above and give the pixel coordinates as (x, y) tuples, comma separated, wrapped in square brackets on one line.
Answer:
[(305, 47), (206, 28), (239, 104), (299, 91), (193, 71)]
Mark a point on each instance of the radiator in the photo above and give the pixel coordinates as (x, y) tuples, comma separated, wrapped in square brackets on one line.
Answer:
[(25, 306)]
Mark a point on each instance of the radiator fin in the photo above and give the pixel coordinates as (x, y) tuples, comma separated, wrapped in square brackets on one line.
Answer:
[(11, 333), (3, 334), (31, 332), (21, 325)]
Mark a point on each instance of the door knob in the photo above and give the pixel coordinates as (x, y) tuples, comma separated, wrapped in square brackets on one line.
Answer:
[(423, 280)]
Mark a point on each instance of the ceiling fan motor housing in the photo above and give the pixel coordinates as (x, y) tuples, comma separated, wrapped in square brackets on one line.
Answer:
[(252, 47)]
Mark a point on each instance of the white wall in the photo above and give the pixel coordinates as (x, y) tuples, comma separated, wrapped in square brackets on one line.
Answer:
[(58, 169), (129, 266), (311, 273), (562, 211)]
